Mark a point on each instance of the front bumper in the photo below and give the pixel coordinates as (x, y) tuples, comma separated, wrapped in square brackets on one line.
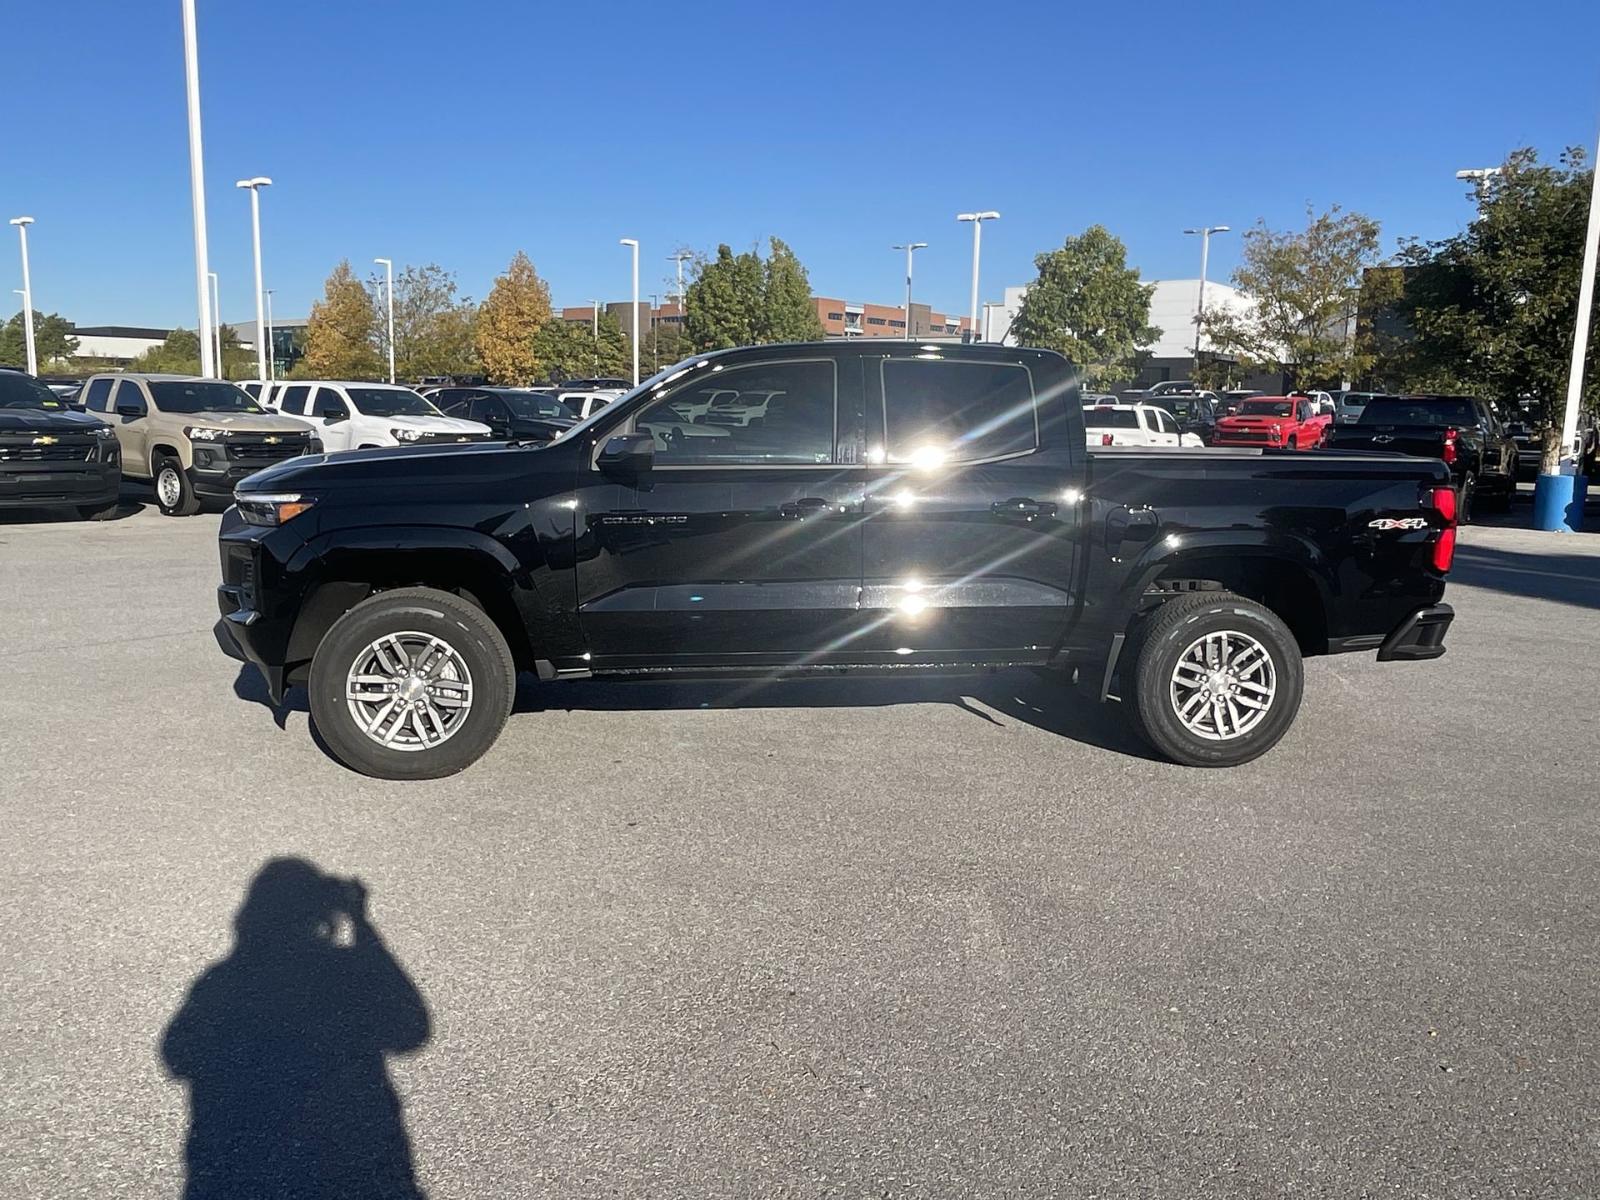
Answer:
[(1421, 635), (38, 485)]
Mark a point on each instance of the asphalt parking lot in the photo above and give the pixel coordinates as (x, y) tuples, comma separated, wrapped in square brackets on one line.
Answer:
[(834, 938)]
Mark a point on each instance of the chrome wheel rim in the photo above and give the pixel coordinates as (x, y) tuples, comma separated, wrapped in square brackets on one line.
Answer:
[(1223, 685), (409, 691), (169, 489)]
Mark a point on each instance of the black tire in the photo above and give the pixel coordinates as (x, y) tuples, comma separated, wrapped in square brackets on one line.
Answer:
[(174, 493), (466, 631), (98, 512), (1168, 635)]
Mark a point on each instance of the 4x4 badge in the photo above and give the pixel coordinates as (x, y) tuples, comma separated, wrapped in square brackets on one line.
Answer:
[(1398, 523)]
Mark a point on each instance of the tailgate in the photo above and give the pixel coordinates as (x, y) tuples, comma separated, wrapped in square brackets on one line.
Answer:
[(1419, 441)]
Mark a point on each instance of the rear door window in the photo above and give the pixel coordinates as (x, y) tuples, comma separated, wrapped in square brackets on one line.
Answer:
[(948, 411)]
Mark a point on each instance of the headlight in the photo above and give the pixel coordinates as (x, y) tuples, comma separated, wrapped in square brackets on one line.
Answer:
[(104, 431), (405, 435), (204, 433), (271, 508)]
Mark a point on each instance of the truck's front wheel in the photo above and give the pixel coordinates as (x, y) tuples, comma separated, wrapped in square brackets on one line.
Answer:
[(411, 684), (1216, 680)]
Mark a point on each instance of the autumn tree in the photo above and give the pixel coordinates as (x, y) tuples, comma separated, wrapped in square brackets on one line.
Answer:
[(508, 322), (744, 300), (1304, 287), (342, 338), (433, 330), (1088, 305)]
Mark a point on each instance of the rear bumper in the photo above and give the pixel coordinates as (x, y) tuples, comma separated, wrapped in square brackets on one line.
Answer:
[(1421, 635)]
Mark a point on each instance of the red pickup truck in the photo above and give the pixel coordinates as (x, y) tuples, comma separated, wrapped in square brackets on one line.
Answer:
[(1283, 421)]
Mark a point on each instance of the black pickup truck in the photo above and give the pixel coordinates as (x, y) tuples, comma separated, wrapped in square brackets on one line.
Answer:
[(51, 456), (1462, 432), (822, 506)]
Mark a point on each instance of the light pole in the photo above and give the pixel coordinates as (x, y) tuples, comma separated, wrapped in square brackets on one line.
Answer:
[(634, 242), (254, 186), (216, 324), (977, 219), (681, 257), (197, 185), (910, 248), (22, 224), (655, 342), (594, 316), (388, 289), (1205, 233), (1478, 173), (272, 350)]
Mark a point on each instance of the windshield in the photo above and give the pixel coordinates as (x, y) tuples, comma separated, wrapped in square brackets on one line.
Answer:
[(24, 391), (390, 402), (1392, 410), (201, 395), (1267, 408), (1111, 418), (534, 405)]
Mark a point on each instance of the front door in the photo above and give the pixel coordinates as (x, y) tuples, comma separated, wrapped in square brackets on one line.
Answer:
[(971, 527), (743, 543), (132, 411)]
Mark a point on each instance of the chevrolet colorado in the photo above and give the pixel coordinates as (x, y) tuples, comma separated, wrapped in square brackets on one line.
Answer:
[(895, 506)]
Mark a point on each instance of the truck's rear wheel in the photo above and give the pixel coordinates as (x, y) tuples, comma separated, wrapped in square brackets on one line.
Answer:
[(412, 684), (1217, 680)]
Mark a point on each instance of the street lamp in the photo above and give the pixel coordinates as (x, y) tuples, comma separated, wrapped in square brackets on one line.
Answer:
[(1205, 233), (197, 186), (1479, 173), (594, 317), (22, 224), (681, 257), (910, 248), (254, 186), (977, 219), (216, 324), (634, 242), (272, 350), (388, 275)]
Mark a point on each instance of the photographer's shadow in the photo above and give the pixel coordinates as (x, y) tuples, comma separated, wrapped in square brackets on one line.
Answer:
[(283, 1047)]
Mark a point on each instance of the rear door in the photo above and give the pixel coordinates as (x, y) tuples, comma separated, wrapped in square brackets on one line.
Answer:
[(743, 544), (971, 515)]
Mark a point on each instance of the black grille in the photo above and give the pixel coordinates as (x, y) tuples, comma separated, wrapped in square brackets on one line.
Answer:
[(254, 448), (63, 450), (1245, 435), (435, 438)]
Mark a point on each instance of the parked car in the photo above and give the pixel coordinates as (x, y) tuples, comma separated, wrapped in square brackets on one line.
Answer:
[(1196, 413), (1286, 422), (1463, 432), (52, 456), (1321, 402), (1231, 400), (1170, 387), (598, 383), (956, 520), (366, 416), (1135, 425), (1522, 424), (1347, 406), (586, 403), (516, 413), (260, 390), (193, 439)]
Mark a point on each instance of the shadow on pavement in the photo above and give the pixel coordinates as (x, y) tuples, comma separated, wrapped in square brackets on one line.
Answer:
[(62, 515), (1563, 578), (283, 1046)]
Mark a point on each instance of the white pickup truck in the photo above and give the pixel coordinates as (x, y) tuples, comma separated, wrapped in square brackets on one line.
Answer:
[(1134, 425), (362, 416)]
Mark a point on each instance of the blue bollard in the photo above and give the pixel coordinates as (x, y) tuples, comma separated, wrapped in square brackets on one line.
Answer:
[(1558, 503)]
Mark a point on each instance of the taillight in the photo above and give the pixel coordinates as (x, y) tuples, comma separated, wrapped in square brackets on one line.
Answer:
[(1443, 501), (1106, 439), (1449, 454)]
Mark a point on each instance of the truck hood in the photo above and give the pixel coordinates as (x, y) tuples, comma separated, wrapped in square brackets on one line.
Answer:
[(1254, 422), (436, 425), (242, 422), (40, 420), (452, 465)]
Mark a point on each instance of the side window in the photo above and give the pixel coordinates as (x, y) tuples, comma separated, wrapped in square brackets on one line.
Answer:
[(760, 414), (294, 399), (128, 392), (957, 411), (1164, 422), (490, 408), (97, 397), (329, 403)]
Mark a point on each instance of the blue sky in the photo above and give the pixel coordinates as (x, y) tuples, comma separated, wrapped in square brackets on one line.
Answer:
[(460, 133)]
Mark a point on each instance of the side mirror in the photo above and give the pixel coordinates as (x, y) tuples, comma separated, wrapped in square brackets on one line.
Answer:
[(130, 410), (628, 456), (334, 415)]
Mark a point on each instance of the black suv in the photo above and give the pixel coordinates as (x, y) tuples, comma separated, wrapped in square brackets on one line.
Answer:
[(52, 456)]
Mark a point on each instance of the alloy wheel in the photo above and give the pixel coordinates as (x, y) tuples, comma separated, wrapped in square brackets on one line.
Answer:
[(409, 691), (1223, 685)]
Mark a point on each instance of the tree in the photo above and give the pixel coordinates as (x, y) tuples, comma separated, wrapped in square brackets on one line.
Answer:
[(1491, 310), (743, 300), (569, 350), (178, 355), (508, 321), (342, 332), (1089, 305), (433, 331), (1304, 287), (52, 340), (664, 345)]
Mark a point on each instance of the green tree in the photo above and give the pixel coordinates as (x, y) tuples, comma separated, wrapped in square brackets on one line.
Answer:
[(569, 350), (433, 330), (664, 345), (1304, 288), (787, 311), (342, 332), (743, 300), (517, 308), (53, 342), (1491, 310), (1089, 305)]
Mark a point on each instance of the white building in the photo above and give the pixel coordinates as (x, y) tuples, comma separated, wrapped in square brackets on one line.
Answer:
[(1173, 306), (118, 343)]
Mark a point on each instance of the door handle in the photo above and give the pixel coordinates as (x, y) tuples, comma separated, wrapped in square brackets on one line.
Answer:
[(1022, 506), (803, 507)]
